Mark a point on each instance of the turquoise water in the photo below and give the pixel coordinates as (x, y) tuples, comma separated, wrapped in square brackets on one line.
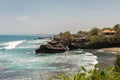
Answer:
[(18, 60)]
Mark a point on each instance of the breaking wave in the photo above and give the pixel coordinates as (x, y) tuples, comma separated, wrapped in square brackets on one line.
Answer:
[(33, 43), (12, 44)]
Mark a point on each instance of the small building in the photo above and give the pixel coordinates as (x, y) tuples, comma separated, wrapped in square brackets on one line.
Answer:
[(108, 32)]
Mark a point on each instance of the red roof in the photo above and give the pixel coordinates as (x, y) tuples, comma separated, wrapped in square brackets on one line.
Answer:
[(108, 31)]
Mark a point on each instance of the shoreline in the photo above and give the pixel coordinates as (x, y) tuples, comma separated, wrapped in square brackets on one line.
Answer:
[(105, 56), (114, 50), (109, 56)]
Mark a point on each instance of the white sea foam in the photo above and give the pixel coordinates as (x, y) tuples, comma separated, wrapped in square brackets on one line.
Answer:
[(12, 44), (88, 54), (100, 50), (57, 62), (94, 62), (33, 43), (26, 47), (89, 57)]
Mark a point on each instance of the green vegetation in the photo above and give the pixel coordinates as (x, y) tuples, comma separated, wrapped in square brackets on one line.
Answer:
[(93, 39), (117, 63), (94, 31), (108, 73), (95, 35), (83, 32), (66, 36), (116, 27)]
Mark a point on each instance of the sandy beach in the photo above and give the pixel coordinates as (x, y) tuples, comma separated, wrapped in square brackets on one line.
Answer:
[(115, 49)]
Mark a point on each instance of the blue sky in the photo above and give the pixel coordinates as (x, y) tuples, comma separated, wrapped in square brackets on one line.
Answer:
[(54, 16)]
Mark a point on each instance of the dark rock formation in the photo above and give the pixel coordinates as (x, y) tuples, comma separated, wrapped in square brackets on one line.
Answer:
[(59, 43), (80, 42), (92, 46), (52, 47)]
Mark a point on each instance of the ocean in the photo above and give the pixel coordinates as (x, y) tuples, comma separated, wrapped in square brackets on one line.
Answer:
[(18, 60)]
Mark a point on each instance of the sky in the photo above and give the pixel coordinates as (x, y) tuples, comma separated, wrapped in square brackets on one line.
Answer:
[(55, 16)]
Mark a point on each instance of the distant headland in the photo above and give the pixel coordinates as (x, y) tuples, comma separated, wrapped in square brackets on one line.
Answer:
[(94, 39)]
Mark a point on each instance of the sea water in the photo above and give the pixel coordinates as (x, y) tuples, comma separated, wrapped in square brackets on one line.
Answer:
[(18, 60)]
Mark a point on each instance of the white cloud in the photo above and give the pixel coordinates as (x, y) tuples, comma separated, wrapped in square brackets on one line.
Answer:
[(24, 18)]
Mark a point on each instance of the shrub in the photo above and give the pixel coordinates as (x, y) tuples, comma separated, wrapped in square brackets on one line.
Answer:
[(117, 63), (107, 73), (93, 39)]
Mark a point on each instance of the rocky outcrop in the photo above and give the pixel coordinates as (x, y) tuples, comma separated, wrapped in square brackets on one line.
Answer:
[(59, 43), (80, 42), (52, 47)]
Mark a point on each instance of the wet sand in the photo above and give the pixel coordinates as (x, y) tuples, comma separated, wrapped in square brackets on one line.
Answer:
[(104, 57), (109, 56)]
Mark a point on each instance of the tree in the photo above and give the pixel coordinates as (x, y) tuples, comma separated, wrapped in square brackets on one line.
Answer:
[(116, 27), (80, 32), (68, 36), (94, 31), (83, 32)]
